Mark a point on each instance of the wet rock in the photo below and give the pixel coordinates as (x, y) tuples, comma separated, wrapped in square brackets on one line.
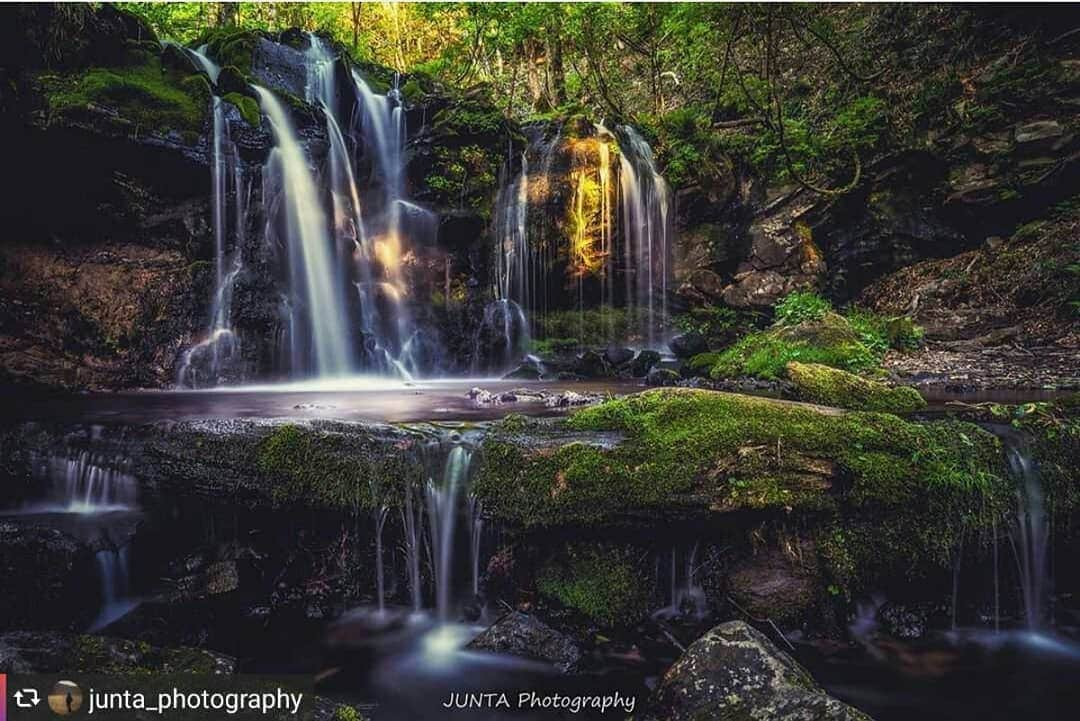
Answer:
[(643, 362), (659, 377), (566, 399), (906, 621), (688, 344), (735, 672), (618, 356), (774, 585), (1038, 131), (591, 364), (42, 652), (49, 580), (520, 634)]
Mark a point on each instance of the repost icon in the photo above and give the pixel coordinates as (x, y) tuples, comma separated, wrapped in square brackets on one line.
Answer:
[(26, 698)]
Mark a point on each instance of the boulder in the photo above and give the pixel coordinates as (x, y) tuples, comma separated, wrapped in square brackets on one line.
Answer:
[(618, 356), (49, 579), (735, 672), (688, 344), (660, 377), (47, 653), (817, 383), (520, 634), (772, 584), (643, 362), (1038, 131), (591, 364)]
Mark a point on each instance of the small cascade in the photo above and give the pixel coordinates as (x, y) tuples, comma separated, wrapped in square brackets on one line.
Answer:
[(290, 190), (412, 523), (1030, 532), (646, 226), (476, 538), (443, 510), (112, 567), (685, 596), (380, 582), (209, 361), (86, 483)]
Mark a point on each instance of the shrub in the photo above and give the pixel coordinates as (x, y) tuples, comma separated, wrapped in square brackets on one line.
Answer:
[(801, 306)]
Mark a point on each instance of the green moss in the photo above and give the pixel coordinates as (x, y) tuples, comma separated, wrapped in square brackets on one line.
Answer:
[(688, 451), (605, 583), (148, 95), (704, 362), (248, 107), (801, 306), (347, 713), (830, 340), (324, 469), (232, 47), (832, 387)]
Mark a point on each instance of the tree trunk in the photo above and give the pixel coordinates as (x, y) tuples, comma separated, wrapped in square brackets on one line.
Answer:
[(355, 8), (558, 72), (227, 15)]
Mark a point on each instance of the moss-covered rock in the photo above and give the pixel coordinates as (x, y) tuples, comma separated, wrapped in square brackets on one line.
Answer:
[(829, 340), (248, 107), (605, 583), (833, 387), (147, 95), (903, 492)]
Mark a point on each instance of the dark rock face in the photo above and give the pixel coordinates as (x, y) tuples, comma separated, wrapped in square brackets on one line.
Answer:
[(519, 634), (735, 672), (48, 579), (643, 363), (773, 585), (30, 652), (617, 356), (688, 344)]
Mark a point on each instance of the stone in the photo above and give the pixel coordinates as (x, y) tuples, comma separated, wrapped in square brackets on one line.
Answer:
[(520, 634), (524, 372), (48, 653), (1037, 131), (643, 362), (689, 344), (658, 377), (770, 584), (618, 356), (735, 672), (591, 364), (49, 579)]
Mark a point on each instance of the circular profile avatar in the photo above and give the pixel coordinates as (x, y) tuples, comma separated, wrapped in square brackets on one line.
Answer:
[(65, 698)]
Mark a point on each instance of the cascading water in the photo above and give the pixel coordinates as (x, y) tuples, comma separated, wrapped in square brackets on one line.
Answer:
[(394, 341), (207, 362), (621, 226), (443, 510), (116, 601), (685, 595), (86, 483), (1030, 532), (646, 206), (315, 306)]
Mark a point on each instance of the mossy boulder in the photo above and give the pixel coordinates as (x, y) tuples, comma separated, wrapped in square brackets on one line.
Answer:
[(147, 96), (818, 383), (902, 492), (735, 673)]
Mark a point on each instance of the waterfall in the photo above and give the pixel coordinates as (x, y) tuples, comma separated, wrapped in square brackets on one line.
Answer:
[(411, 524), (380, 522), (646, 210), (205, 363), (442, 517), (621, 226), (85, 483), (112, 567), (1030, 533), (685, 595), (505, 317), (476, 537), (310, 258)]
